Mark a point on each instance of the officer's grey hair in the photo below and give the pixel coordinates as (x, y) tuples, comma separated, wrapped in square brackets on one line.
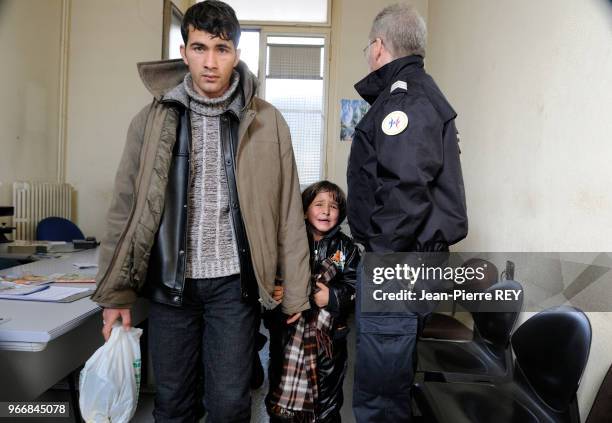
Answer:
[(402, 30)]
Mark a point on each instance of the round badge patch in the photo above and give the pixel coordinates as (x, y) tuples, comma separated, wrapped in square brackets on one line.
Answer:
[(395, 123)]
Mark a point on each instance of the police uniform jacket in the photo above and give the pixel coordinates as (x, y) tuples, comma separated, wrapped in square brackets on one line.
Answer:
[(405, 187)]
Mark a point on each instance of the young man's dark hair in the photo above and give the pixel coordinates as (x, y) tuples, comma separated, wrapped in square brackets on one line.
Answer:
[(214, 17), (315, 189)]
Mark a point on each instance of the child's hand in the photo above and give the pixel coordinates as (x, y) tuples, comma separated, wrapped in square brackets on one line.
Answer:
[(321, 297), (278, 293)]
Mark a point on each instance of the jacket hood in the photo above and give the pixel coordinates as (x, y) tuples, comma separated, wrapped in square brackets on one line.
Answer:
[(161, 76)]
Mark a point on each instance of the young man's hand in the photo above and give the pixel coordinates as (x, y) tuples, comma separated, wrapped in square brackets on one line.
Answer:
[(110, 316), (294, 317), (321, 297), (279, 293)]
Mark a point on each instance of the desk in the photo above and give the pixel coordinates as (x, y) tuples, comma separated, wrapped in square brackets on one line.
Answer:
[(53, 248), (42, 343), (20, 257)]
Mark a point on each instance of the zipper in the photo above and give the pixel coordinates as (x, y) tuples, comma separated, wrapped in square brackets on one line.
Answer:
[(187, 115), (120, 241)]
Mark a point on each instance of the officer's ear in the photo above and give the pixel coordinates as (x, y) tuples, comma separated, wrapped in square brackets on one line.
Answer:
[(381, 54), (379, 45)]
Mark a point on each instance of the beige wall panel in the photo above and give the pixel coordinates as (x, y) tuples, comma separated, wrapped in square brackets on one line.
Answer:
[(29, 83), (108, 38)]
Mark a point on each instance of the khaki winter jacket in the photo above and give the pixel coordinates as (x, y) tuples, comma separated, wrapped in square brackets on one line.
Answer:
[(268, 192)]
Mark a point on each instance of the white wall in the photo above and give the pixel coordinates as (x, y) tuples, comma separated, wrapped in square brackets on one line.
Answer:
[(108, 38), (351, 23), (531, 84), (29, 83)]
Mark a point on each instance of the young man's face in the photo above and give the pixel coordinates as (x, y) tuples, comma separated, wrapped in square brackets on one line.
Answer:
[(211, 61), (323, 214)]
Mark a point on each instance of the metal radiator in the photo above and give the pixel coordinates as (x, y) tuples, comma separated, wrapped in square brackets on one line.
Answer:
[(34, 201)]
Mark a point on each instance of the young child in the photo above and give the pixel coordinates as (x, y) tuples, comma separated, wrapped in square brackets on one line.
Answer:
[(334, 258)]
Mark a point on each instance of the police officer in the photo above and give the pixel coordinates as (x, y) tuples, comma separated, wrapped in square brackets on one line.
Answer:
[(405, 194)]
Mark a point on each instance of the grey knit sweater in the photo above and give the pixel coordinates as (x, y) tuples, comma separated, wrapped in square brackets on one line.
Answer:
[(211, 245)]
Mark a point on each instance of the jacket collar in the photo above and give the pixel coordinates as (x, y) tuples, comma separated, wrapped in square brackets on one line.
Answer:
[(370, 87), (327, 236), (162, 76)]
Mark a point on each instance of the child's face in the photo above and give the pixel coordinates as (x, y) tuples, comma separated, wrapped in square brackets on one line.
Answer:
[(322, 214)]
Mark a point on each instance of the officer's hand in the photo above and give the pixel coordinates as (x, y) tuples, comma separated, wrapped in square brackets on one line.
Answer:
[(279, 293), (321, 297), (110, 316), (294, 318)]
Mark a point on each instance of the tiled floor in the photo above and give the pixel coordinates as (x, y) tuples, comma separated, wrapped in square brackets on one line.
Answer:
[(258, 415)]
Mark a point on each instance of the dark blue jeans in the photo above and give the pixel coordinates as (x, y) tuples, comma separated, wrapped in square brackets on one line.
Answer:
[(210, 338)]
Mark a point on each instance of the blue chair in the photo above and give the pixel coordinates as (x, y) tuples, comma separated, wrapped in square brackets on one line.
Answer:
[(57, 229)]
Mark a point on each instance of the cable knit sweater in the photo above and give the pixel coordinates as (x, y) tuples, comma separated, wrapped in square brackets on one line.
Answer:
[(211, 245)]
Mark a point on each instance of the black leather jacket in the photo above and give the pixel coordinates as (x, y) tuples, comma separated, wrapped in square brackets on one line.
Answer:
[(342, 286), (166, 271), (331, 370)]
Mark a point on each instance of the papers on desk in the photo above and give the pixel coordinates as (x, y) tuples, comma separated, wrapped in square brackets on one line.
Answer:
[(12, 289), (57, 294), (75, 277), (26, 279)]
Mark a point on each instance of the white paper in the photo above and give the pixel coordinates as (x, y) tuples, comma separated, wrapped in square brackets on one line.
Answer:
[(10, 289), (53, 293)]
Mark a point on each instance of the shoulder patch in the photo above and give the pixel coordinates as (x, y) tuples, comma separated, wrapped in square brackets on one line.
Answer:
[(395, 123)]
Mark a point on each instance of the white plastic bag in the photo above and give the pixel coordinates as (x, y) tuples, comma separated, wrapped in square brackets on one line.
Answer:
[(110, 380)]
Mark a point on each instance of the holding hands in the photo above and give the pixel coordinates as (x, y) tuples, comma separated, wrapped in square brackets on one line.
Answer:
[(321, 296)]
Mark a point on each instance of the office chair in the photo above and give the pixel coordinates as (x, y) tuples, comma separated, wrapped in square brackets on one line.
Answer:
[(551, 349), (487, 356), (443, 326), (57, 229)]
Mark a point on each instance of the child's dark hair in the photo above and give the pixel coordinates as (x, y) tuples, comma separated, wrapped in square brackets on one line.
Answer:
[(214, 17), (315, 189)]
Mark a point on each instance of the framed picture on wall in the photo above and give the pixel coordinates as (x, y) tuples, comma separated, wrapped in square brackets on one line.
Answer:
[(351, 112), (171, 33)]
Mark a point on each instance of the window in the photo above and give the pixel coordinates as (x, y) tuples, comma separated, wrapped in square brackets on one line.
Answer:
[(249, 49), (171, 33), (311, 11), (294, 84)]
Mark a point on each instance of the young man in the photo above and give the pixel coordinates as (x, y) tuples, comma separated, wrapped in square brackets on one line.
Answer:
[(405, 193), (206, 212)]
